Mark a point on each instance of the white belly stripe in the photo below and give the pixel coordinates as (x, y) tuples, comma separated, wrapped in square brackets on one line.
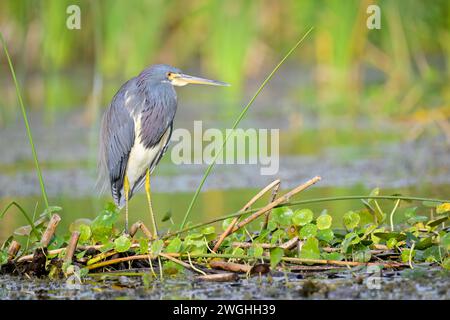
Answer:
[(140, 158)]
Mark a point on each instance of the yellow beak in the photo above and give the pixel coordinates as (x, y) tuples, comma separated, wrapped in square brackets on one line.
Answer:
[(180, 79)]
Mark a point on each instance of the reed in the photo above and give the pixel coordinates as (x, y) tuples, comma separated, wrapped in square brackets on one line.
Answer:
[(236, 123), (27, 125)]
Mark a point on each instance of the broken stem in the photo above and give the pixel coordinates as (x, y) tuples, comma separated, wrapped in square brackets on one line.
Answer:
[(244, 208)]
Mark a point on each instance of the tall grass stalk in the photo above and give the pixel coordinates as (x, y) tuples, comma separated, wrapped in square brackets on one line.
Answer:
[(27, 125), (241, 115)]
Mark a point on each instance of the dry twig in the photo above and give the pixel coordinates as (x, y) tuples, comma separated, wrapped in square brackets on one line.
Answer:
[(244, 208)]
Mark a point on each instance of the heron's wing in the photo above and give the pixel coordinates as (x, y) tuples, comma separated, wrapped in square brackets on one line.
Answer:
[(117, 139), (156, 121)]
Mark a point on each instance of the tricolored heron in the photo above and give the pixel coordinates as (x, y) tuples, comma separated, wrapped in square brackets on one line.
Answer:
[(136, 130)]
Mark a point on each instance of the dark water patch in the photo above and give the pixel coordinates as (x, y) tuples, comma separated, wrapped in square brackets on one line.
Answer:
[(352, 284)]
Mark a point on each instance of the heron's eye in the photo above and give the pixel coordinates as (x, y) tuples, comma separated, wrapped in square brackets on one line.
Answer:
[(169, 75)]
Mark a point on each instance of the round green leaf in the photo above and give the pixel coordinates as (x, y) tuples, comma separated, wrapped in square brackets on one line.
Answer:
[(85, 232), (310, 249), (174, 245), (143, 246), (351, 220), (208, 230), (324, 222), (302, 217), (3, 257), (326, 235), (256, 251), (432, 254), (122, 244), (309, 230), (391, 243), (350, 239), (406, 253), (446, 263), (278, 236), (272, 225), (157, 246), (282, 216), (238, 252), (333, 256), (75, 226), (445, 241), (275, 256)]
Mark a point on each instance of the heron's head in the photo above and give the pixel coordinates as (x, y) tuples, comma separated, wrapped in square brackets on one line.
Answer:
[(168, 74)]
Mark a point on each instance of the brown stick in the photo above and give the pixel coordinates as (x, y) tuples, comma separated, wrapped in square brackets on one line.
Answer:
[(244, 208), (134, 228), (14, 247), (96, 247), (219, 277), (229, 266), (182, 263), (286, 245), (381, 247), (275, 203), (287, 259), (70, 250), (50, 231), (145, 230), (329, 249), (29, 257), (289, 244), (118, 260), (143, 227), (272, 199), (249, 245), (343, 263)]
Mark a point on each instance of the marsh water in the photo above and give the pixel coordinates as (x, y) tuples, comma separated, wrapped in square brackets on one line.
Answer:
[(350, 160), (421, 283), (352, 155)]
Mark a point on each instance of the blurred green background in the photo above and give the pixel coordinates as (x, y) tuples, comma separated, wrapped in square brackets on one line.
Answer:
[(396, 70), (346, 87)]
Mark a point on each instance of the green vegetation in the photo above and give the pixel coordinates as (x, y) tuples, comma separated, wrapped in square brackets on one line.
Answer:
[(345, 52), (291, 237), (25, 119), (397, 70)]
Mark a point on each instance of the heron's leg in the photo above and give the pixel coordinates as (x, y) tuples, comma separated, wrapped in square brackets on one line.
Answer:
[(126, 189), (147, 191)]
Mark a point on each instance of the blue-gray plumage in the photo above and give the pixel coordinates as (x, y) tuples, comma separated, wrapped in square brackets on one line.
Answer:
[(137, 126)]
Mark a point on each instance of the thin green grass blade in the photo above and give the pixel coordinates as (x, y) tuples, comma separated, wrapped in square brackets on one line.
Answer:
[(36, 233), (241, 115), (25, 119)]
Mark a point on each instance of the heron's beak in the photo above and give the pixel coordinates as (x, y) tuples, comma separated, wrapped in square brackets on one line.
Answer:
[(181, 79)]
